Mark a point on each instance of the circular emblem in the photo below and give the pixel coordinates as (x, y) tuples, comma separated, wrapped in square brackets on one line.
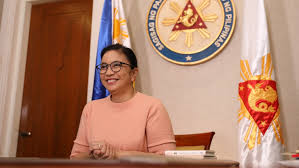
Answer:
[(188, 32)]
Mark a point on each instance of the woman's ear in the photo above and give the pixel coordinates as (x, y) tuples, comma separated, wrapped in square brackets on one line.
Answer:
[(134, 73)]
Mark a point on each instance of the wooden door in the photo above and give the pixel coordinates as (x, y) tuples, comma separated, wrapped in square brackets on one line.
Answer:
[(56, 78)]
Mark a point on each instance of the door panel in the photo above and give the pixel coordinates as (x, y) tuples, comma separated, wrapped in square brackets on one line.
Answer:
[(56, 78)]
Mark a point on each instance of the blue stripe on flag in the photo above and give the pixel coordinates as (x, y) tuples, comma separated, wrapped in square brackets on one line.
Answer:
[(105, 39)]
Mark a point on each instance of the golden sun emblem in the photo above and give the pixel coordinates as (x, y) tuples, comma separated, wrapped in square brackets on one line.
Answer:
[(118, 34), (260, 100), (189, 20)]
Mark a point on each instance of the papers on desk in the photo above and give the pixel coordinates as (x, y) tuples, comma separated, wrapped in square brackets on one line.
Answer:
[(290, 156), (289, 163), (194, 154)]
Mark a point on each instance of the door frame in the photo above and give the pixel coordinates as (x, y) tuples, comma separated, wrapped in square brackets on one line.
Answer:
[(17, 53)]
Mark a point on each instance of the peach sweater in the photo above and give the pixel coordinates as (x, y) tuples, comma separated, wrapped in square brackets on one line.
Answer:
[(139, 124)]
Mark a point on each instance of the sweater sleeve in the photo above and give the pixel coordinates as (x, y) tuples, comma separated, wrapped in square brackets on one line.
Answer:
[(159, 131), (81, 143)]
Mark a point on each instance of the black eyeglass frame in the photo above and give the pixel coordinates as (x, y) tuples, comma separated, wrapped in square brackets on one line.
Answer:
[(98, 67)]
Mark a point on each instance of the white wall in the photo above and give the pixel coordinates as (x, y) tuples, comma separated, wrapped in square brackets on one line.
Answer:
[(8, 70), (198, 98), (283, 29), (204, 97)]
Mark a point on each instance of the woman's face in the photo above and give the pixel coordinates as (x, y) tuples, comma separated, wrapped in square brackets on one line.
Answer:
[(117, 81)]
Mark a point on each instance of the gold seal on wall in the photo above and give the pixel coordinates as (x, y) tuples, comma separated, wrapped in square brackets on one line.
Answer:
[(189, 32)]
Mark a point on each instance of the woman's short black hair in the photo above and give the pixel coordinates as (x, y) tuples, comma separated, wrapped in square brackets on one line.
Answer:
[(125, 50)]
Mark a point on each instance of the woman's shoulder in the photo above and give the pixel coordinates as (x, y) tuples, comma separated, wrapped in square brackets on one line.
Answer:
[(150, 99), (94, 104)]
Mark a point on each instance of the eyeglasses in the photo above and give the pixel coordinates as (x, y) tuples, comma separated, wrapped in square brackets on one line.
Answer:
[(114, 66)]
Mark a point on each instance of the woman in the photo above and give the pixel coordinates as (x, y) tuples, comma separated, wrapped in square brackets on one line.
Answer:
[(126, 122)]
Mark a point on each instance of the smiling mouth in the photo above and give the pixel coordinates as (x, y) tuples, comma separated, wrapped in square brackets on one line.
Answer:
[(111, 81)]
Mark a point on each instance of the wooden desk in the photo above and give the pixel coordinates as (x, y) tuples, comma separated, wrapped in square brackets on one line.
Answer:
[(128, 162)]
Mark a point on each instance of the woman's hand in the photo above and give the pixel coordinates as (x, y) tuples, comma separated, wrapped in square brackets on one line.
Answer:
[(103, 150)]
